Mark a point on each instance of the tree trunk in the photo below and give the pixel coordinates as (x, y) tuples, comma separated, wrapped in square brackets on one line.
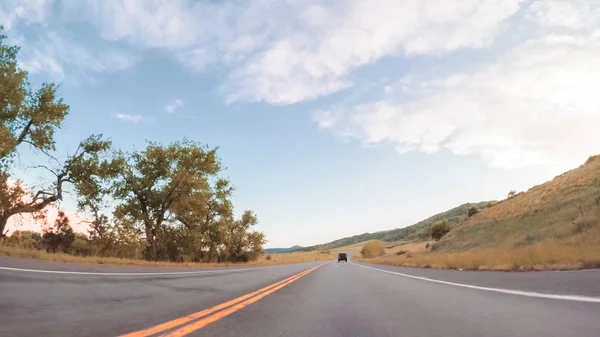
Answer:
[(3, 222), (150, 253), (211, 253)]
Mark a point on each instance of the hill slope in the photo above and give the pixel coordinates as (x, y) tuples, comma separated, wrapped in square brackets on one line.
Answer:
[(555, 225), (418, 231), (555, 210), (282, 250)]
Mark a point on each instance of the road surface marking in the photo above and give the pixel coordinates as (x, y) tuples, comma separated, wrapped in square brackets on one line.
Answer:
[(221, 270), (187, 329), (180, 321), (498, 290)]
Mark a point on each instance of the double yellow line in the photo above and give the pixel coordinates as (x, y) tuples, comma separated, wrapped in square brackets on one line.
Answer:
[(202, 318)]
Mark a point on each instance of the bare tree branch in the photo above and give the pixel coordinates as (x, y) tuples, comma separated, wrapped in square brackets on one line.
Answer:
[(46, 168), (39, 194), (42, 150), (24, 132)]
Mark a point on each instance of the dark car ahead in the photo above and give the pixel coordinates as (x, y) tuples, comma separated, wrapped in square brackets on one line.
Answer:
[(342, 256)]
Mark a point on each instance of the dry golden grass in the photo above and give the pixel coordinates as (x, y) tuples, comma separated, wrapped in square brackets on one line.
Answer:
[(353, 249), (569, 185), (390, 247), (552, 226), (545, 212), (276, 259), (412, 247), (577, 252), (297, 257)]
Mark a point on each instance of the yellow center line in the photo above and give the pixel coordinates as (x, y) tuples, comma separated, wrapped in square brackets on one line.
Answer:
[(186, 329), (182, 320)]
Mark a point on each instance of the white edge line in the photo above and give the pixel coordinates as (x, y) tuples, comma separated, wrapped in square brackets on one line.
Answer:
[(136, 274), (498, 290)]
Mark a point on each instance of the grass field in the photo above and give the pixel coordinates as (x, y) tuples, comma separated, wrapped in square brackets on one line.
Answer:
[(264, 260), (577, 252), (581, 251), (391, 248), (552, 226), (547, 212)]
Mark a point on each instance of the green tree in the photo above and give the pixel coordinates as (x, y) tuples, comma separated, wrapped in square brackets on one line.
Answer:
[(16, 199), (439, 229), (94, 188), (213, 233), (81, 245), (154, 183), (29, 117), (472, 211), (24, 239), (240, 243), (59, 238), (165, 202), (26, 116), (126, 240), (256, 242)]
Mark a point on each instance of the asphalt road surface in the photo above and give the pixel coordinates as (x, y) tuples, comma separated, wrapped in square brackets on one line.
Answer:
[(311, 299)]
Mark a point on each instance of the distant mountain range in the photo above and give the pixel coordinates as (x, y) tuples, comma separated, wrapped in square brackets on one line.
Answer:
[(418, 231), (283, 250)]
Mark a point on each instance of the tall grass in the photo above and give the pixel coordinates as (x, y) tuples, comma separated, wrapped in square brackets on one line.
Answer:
[(577, 252), (276, 259)]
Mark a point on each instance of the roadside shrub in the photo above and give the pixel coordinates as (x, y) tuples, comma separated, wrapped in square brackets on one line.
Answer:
[(472, 211), (583, 223), (435, 247), (81, 247), (372, 249), (268, 257), (402, 252), (527, 240), (427, 246), (439, 229)]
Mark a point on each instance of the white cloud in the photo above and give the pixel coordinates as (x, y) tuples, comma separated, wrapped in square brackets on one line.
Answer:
[(55, 54), (53, 51), (317, 58), (176, 104), (130, 118), (535, 104), (283, 52), (30, 11), (571, 14), (537, 74), (150, 23)]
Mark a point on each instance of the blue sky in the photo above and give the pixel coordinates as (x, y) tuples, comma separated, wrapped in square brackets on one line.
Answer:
[(333, 118)]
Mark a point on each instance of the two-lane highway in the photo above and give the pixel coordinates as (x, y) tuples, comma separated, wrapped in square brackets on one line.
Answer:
[(312, 299)]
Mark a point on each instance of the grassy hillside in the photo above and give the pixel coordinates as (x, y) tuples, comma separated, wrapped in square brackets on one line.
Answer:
[(418, 231), (282, 250), (555, 225), (567, 205)]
